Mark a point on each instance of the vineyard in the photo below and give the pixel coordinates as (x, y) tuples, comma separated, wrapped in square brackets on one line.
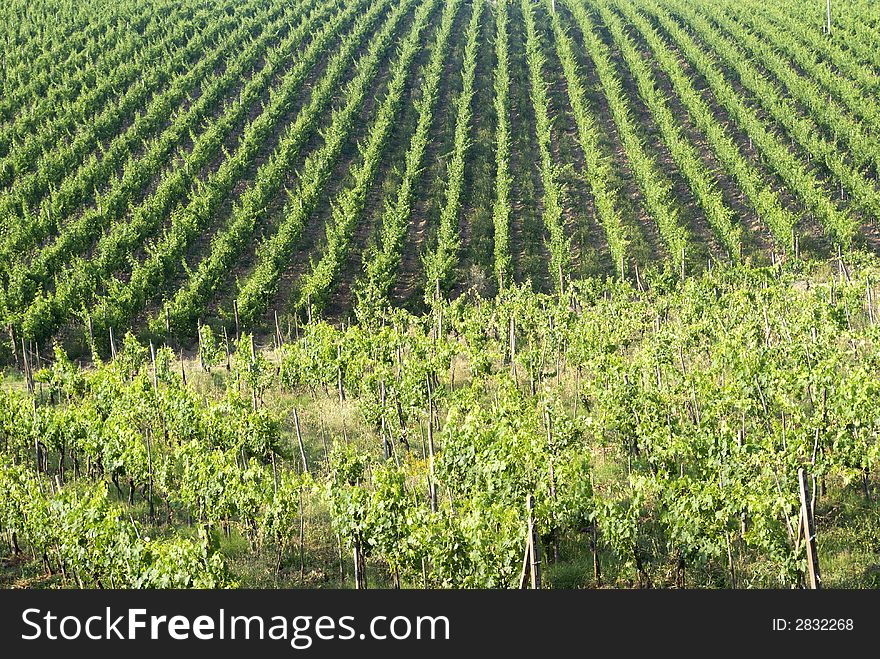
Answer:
[(439, 293)]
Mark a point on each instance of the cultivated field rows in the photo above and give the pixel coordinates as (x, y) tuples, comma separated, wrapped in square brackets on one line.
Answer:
[(190, 161)]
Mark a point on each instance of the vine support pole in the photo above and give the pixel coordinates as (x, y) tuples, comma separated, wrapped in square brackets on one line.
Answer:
[(28, 370), (513, 347), (153, 361), (683, 264), (339, 373), (302, 539), (809, 531), (278, 335), (201, 348), (150, 473), (360, 577), (432, 485), (253, 361), (554, 531), (531, 570), (237, 325), (299, 439), (226, 347)]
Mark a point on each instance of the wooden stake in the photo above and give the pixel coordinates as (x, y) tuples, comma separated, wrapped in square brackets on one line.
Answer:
[(302, 539), (432, 485), (809, 530), (237, 326), (512, 346), (253, 361), (531, 573), (150, 471), (339, 373), (554, 531), (594, 546), (153, 360), (299, 439), (201, 352), (278, 331), (112, 344), (28, 376), (226, 345)]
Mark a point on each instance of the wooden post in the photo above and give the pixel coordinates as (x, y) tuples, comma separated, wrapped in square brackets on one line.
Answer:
[(828, 17), (439, 314), (201, 352), (553, 531), (226, 345), (112, 345), (432, 485), (150, 471), (512, 346), (534, 547), (360, 581), (299, 439), (594, 546), (302, 539), (339, 373), (278, 331), (844, 272), (869, 294), (357, 566), (531, 570), (437, 310), (167, 322), (237, 326), (253, 361), (386, 446), (28, 376), (153, 359), (341, 564), (182, 368), (809, 531)]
